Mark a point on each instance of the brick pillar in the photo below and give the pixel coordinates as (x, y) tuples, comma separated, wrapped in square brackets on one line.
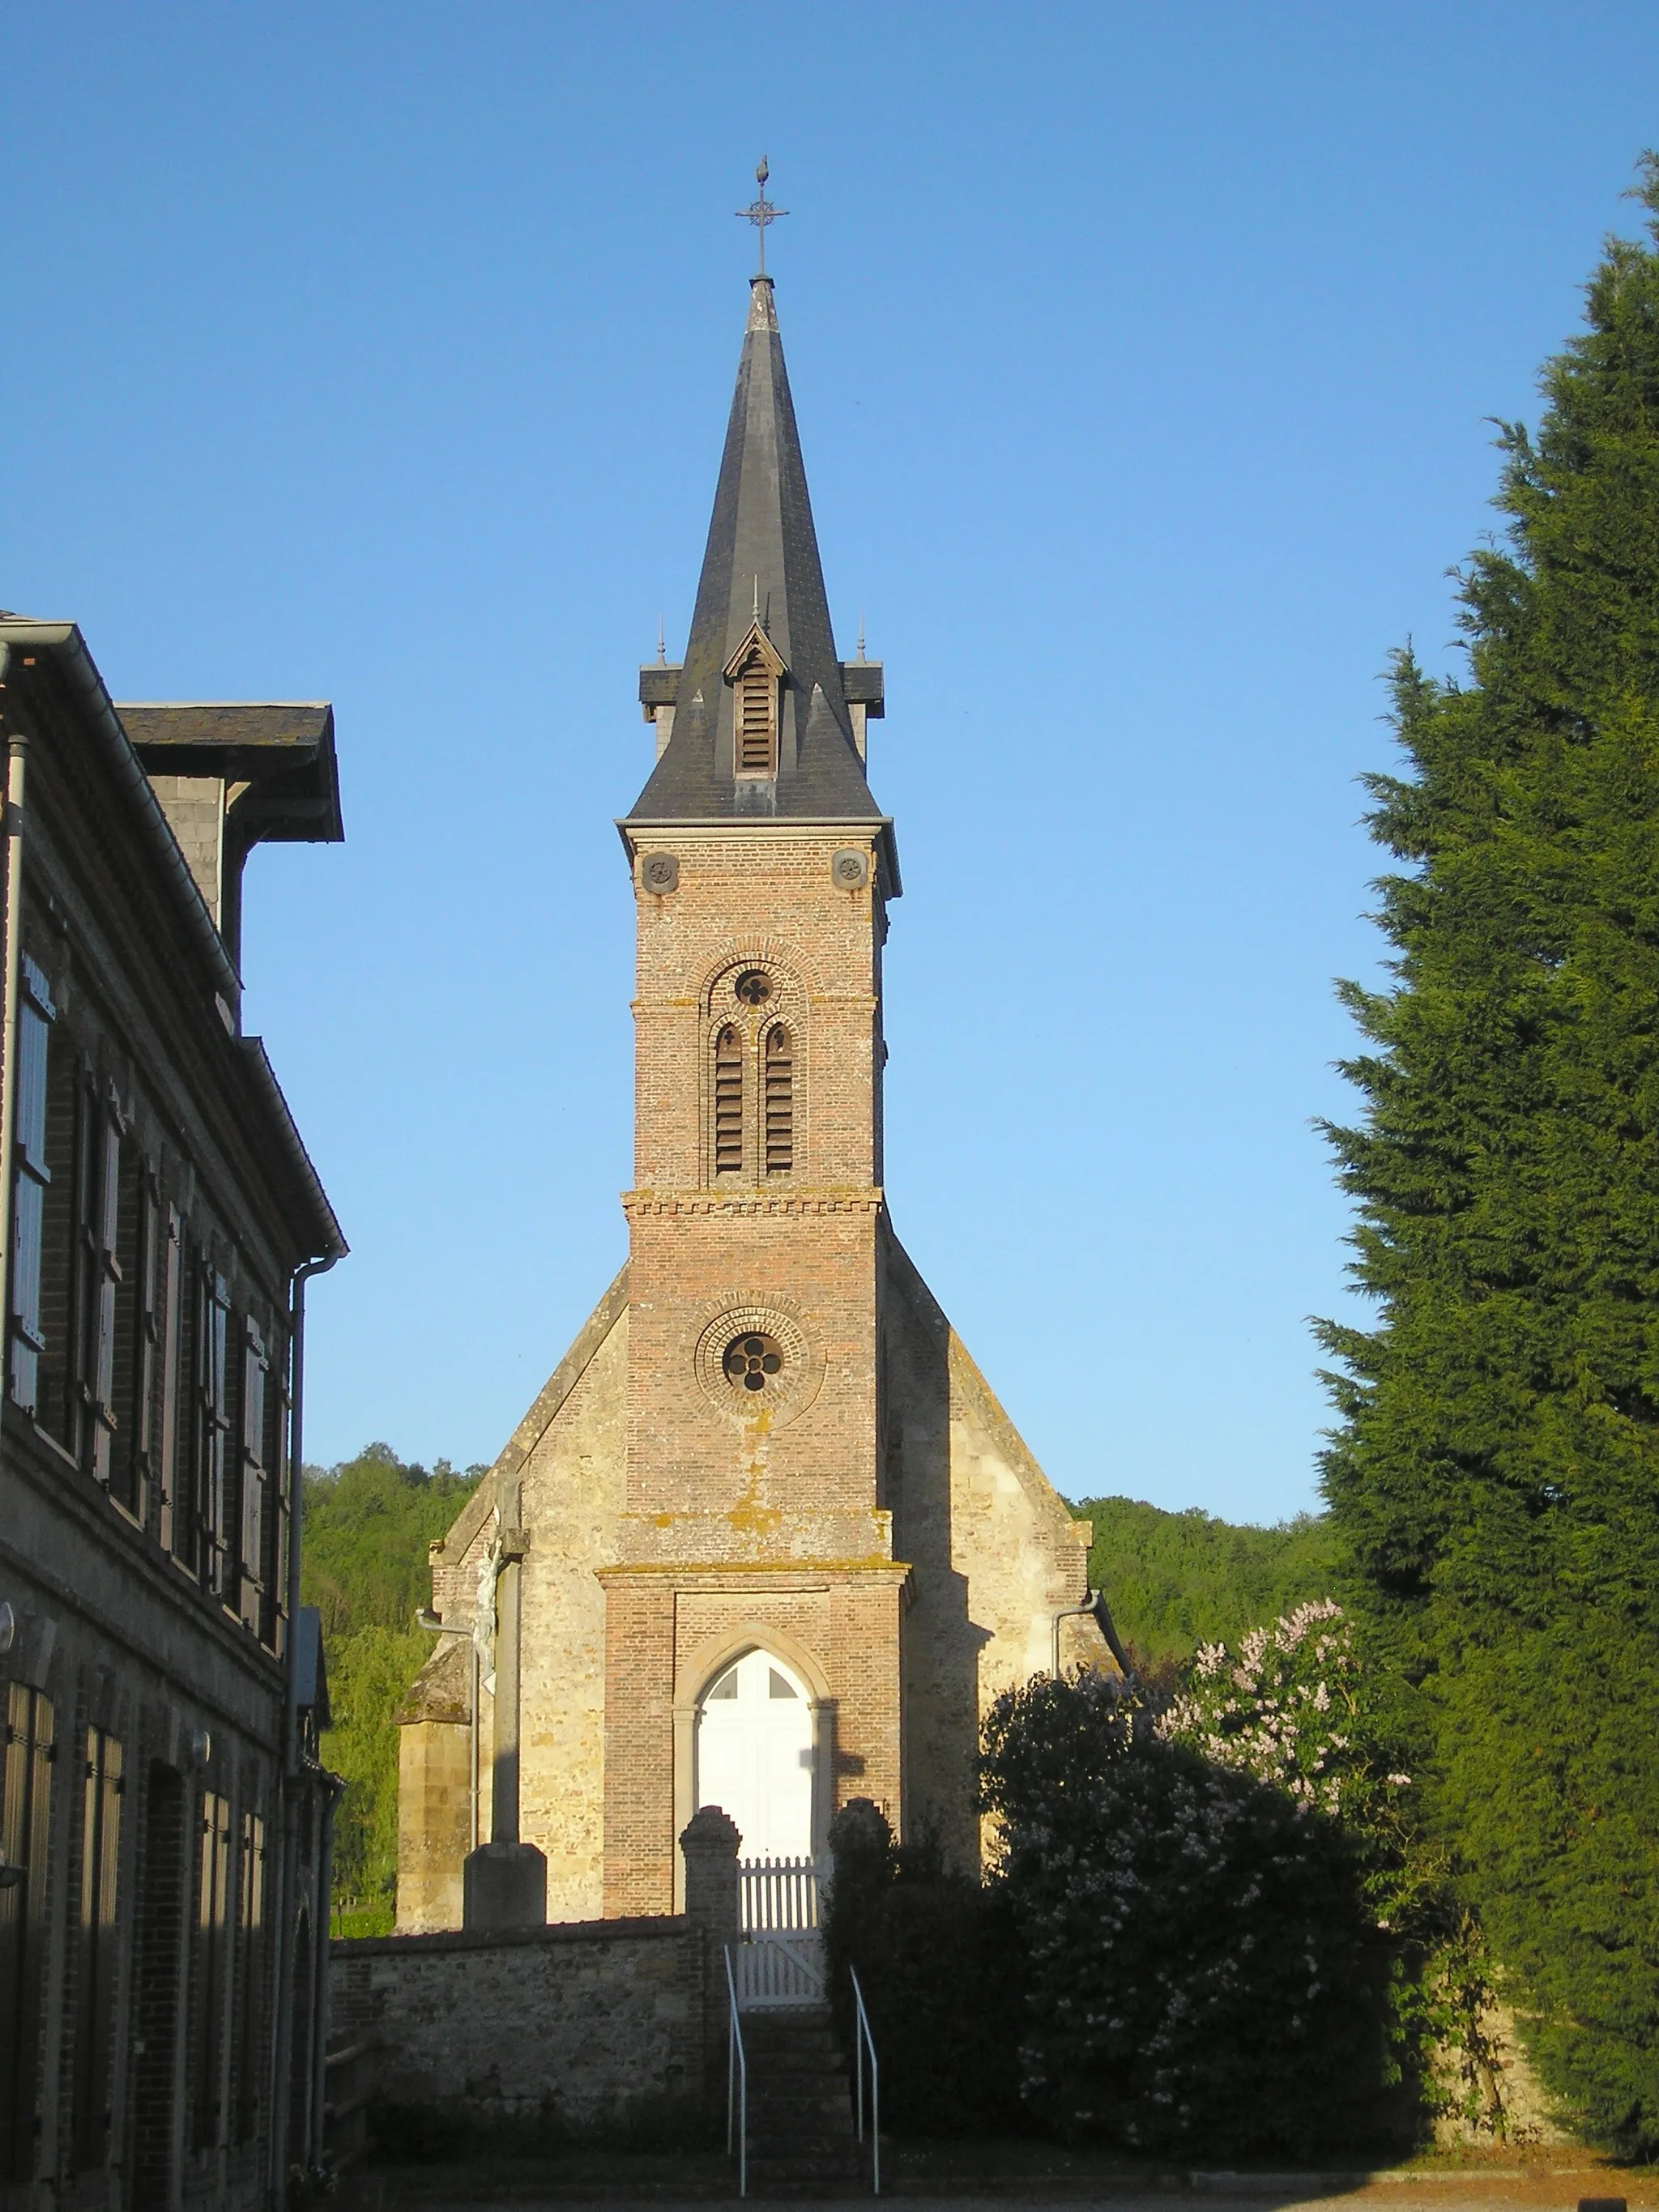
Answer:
[(709, 1841)]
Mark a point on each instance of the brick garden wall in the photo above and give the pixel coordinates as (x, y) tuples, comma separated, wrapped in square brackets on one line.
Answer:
[(578, 2023)]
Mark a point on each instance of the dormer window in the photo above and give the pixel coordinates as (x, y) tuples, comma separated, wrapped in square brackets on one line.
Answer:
[(755, 672)]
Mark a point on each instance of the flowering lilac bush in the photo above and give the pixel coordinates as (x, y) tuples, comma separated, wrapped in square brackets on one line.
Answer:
[(1296, 1708), (1196, 1891), (1293, 1708)]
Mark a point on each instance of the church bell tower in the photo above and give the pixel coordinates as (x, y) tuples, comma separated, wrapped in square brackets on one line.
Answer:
[(764, 1539), (763, 871)]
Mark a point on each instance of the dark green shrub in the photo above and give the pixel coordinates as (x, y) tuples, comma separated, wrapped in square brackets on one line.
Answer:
[(937, 1962)]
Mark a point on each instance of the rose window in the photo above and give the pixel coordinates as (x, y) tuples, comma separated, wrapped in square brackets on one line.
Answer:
[(752, 1361)]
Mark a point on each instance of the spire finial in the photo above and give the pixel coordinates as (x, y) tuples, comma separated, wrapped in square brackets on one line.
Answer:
[(662, 645), (860, 633), (761, 211)]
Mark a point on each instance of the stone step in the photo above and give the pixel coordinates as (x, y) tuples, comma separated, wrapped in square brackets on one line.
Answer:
[(800, 2109), (830, 2109), (787, 2177)]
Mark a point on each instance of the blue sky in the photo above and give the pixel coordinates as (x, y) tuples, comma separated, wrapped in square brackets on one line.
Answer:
[(1142, 357)]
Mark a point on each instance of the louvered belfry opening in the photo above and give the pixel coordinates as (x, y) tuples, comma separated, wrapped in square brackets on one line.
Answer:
[(728, 1103), (780, 1102), (756, 719)]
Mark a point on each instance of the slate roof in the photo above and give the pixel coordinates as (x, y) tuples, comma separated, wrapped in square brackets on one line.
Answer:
[(284, 749), (762, 550)]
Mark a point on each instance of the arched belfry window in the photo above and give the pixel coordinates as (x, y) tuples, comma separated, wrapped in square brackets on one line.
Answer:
[(755, 672), (778, 1077), (728, 1102)]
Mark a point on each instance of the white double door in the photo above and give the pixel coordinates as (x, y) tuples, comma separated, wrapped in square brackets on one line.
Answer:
[(755, 1756)]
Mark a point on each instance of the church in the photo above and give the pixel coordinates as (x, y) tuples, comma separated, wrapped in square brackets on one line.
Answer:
[(766, 1540)]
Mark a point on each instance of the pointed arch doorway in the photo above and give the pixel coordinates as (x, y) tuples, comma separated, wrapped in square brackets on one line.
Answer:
[(755, 1755)]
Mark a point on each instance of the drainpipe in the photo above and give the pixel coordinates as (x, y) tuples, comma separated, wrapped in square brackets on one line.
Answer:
[(1068, 1613), (288, 1868), (1095, 1603), (16, 769), (319, 1994)]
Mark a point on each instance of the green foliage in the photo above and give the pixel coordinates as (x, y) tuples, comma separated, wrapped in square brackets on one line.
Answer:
[(365, 1527), (1204, 1971), (1496, 1474), (1177, 1580), (937, 1962)]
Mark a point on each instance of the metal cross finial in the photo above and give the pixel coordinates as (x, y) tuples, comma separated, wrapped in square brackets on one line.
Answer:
[(761, 211)]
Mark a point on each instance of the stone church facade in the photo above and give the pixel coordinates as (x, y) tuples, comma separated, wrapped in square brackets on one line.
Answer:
[(766, 1532)]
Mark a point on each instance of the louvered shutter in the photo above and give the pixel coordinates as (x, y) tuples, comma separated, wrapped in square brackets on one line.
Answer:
[(728, 1104), (779, 1077)]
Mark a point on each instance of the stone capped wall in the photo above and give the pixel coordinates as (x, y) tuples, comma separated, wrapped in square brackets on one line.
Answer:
[(580, 2023)]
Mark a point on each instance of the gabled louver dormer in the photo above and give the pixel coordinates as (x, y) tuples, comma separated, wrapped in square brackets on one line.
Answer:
[(756, 673)]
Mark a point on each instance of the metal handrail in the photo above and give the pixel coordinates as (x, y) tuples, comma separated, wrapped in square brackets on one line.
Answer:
[(737, 2083), (863, 2041)]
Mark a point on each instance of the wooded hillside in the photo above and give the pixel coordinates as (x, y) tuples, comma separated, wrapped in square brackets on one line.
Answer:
[(1174, 1581), (363, 1564)]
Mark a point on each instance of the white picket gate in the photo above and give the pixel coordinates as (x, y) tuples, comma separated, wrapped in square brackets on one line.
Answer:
[(780, 1960)]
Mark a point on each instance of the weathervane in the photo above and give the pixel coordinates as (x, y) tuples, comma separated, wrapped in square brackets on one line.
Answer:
[(762, 211)]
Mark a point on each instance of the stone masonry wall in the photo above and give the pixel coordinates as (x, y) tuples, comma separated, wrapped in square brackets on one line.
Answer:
[(578, 2024), (994, 1551), (572, 1495)]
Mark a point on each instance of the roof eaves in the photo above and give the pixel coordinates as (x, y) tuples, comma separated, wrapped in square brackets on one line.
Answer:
[(263, 1078)]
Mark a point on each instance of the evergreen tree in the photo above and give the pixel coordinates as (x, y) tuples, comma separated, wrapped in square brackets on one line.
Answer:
[(1496, 1473)]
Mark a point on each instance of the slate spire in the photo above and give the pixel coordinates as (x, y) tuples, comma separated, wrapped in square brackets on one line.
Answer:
[(762, 556)]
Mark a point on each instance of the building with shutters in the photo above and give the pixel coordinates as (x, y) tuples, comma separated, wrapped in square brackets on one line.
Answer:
[(163, 1812), (766, 1539)]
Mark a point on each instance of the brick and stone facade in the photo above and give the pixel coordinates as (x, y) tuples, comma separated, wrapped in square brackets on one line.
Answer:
[(767, 1437)]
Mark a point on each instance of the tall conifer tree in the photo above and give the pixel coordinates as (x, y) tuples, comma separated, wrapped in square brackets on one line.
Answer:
[(1496, 1474)]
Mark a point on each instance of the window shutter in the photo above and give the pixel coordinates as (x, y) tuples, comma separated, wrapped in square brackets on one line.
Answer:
[(107, 1275), (252, 1547), (26, 1771), (728, 1103), (780, 1102), (99, 1963), (171, 1451), (218, 1475), (30, 1175)]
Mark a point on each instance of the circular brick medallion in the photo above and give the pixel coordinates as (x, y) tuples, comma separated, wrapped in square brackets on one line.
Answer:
[(752, 1357)]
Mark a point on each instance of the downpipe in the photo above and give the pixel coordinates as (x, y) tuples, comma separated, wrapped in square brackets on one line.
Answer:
[(17, 776), (288, 1867), (320, 2022)]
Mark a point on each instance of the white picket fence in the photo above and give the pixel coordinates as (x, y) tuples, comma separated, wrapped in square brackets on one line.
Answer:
[(780, 1960)]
